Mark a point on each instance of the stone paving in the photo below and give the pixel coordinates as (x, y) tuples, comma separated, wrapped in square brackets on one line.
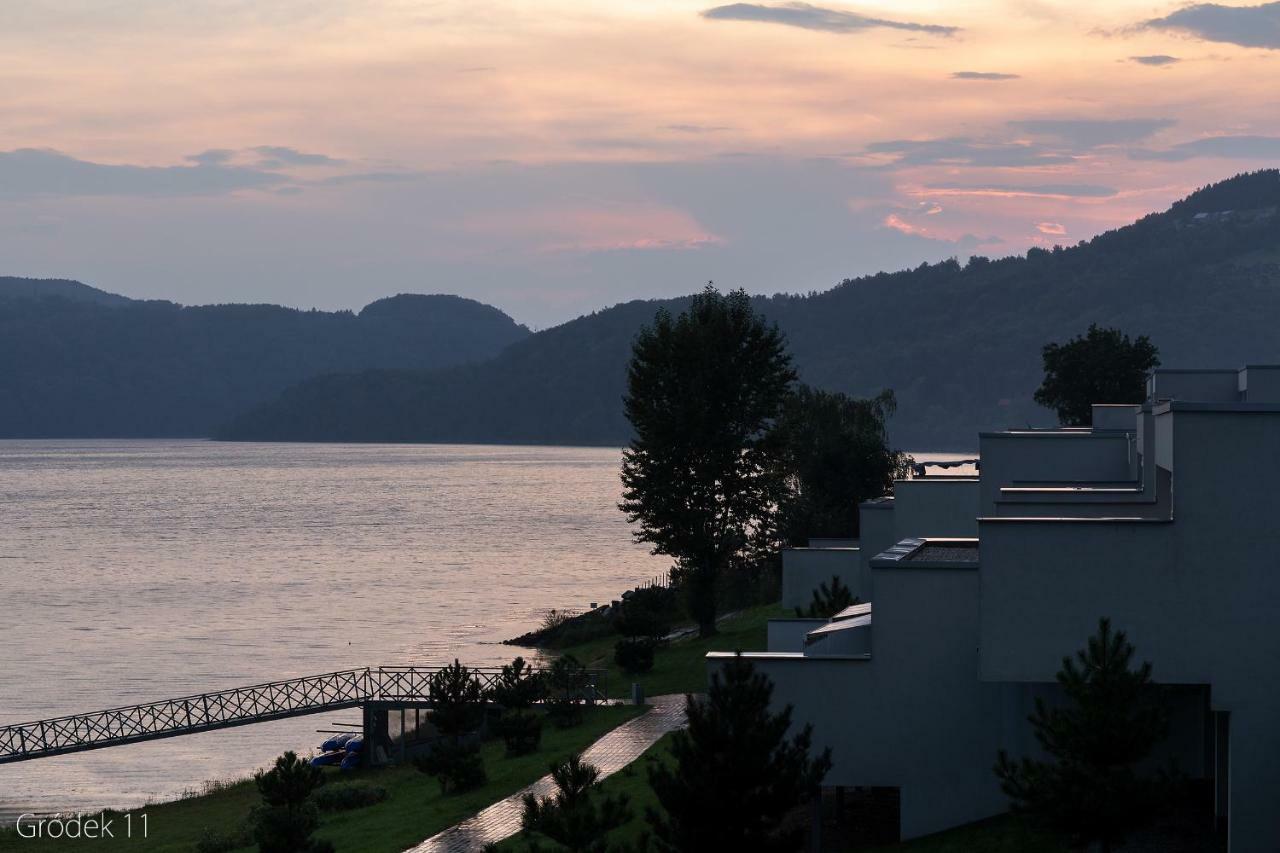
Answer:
[(610, 753)]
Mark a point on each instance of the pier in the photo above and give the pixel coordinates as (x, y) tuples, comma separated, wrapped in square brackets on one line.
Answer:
[(377, 690)]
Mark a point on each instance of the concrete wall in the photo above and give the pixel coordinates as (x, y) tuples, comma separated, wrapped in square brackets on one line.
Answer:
[(1220, 386), (1023, 458), (1115, 416), (804, 569), (1197, 596), (1260, 383), (914, 715), (920, 508), (787, 635)]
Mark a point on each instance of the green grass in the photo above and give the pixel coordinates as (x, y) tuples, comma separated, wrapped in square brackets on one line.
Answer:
[(414, 811), (680, 667), (1004, 834)]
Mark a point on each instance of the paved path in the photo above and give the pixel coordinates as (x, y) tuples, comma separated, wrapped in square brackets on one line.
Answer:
[(610, 753)]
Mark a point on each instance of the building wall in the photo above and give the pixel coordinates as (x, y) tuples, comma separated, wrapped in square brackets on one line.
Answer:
[(804, 569), (913, 715), (1197, 596), (920, 508), (1050, 457)]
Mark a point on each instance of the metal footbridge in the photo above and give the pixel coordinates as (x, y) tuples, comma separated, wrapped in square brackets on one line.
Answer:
[(313, 694)]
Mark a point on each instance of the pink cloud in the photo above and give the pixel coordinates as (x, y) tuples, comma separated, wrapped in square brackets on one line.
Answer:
[(1053, 228)]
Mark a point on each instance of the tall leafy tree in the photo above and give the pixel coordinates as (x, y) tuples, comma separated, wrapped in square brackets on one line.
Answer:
[(833, 452), (736, 773), (702, 390), (1090, 789), (1101, 366)]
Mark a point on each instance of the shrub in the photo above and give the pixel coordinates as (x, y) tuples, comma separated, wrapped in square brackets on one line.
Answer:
[(457, 766), (647, 612), (285, 821), (520, 729), (349, 795), (829, 600), (519, 686), (577, 816), (635, 654), (553, 619), (567, 687)]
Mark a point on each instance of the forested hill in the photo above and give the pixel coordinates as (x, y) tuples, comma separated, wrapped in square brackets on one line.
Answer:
[(79, 362), (959, 344)]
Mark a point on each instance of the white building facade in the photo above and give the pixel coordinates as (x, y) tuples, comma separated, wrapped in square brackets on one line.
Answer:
[(1162, 517)]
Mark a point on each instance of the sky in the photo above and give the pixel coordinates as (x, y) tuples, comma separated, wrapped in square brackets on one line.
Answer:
[(557, 157)]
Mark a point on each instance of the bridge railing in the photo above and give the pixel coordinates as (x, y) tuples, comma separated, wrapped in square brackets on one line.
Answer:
[(238, 706), (186, 714)]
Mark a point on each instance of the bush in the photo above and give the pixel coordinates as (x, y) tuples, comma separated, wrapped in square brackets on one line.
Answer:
[(349, 795), (567, 687), (829, 600), (285, 821), (647, 612), (554, 619), (520, 730), (457, 766), (634, 655), (578, 816)]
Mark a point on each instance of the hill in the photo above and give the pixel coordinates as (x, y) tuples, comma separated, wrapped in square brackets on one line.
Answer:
[(959, 344), (79, 362)]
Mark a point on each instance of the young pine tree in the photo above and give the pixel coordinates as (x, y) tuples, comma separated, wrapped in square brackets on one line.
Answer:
[(1089, 789), (287, 818), (736, 774), (578, 816)]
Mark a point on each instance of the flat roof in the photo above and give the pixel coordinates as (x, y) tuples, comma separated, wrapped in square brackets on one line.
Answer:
[(929, 553)]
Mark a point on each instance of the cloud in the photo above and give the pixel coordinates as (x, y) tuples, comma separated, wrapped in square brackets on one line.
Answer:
[(1090, 133), (1043, 190), (983, 75), (212, 156), (962, 151), (1054, 228), (29, 172), (811, 17), (1227, 147), (1248, 26), (283, 155), (1155, 59), (696, 128)]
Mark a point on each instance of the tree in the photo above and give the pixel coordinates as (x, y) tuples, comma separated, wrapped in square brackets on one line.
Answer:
[(456, 698), (577, 816), (833, 451), (736, 772), (702, 390), (455, 695), (1102, 366), (1089, 789), (828, 600), (287, 817)]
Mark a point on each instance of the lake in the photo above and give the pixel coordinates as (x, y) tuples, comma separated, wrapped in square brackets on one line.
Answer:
[(141, 570)]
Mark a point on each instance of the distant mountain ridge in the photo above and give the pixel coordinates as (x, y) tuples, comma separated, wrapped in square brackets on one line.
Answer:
[(959, 344), (79, 362)]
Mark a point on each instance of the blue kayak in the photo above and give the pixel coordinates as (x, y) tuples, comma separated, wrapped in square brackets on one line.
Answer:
[(350, 761), (355, 744), (328, 759), (337, 741)]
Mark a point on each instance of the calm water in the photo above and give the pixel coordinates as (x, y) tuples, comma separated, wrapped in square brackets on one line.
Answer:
[(140, 570)]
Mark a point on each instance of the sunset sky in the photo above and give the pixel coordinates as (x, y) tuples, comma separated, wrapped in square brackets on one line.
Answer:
[(556, 157)]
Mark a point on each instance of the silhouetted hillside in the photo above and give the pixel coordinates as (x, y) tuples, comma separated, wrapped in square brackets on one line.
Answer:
[(79, 362), (959, 344), (56, 288)]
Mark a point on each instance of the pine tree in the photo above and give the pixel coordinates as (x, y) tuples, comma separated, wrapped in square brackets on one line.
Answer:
[(702, 390), (577, 816), (829, 600), (736, 772), (1090, 789), (287, 818)]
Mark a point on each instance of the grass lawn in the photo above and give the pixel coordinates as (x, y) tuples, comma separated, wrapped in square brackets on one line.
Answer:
[(680, 666), (415, 809)]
